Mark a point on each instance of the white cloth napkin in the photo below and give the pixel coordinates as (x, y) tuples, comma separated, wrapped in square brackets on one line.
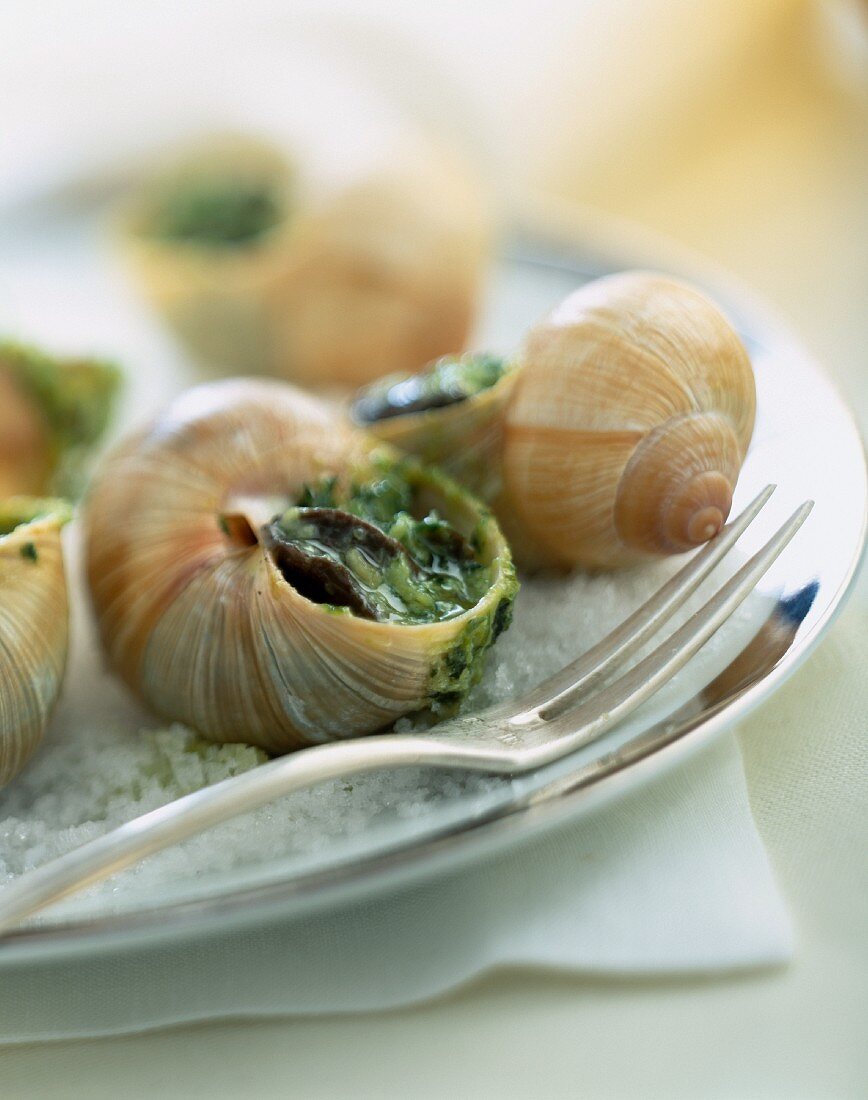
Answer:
[(671, 879)]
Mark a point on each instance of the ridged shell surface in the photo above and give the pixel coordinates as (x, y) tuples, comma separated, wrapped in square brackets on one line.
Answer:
[(34, 632), (203, 626), (629, 422)]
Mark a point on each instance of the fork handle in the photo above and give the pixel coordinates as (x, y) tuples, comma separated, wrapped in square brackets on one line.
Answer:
[(196, 812)]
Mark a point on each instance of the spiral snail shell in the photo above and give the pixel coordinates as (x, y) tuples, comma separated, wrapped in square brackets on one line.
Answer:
[(621, 430), (260, 268), (34, 625), (224, 617)]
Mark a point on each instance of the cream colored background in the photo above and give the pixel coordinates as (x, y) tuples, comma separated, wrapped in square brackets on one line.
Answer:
[(740, 128)]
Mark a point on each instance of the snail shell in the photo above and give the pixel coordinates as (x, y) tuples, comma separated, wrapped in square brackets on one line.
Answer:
[(628, 427), (362, 276), (34, 625), (199, 620), (618, 434), (25, 443), (52, 413), (464, 439)]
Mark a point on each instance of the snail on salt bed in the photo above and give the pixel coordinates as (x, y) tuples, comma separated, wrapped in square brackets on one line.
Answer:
[(34, 624), (265, 573), (616, 433)]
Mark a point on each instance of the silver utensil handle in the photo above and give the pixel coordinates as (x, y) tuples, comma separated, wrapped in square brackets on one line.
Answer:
[(196, 812)]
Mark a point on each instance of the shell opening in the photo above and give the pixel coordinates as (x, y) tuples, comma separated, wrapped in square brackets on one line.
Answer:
[(377, 551), (447, 381), (217, 213), (19, 511), (229, 193), (237, 529)]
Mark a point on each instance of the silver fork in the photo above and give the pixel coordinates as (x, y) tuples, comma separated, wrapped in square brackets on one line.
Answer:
[(554, 719)]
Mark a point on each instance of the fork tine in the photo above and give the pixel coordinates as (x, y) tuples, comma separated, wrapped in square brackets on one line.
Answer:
[(605, 709), (560, 691)]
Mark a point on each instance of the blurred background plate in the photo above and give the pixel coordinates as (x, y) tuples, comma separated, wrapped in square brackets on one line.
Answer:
[(57, 276)]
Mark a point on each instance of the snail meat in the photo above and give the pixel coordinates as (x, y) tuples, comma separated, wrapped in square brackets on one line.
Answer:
[(33, 624), (448, 381), (264, 573), (388, 567), (335, 558)]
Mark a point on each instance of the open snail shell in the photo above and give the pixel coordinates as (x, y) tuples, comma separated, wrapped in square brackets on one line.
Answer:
[(464, 437), (623, 426), (347, 279), (52, 412), (34, 625), (198, 617)]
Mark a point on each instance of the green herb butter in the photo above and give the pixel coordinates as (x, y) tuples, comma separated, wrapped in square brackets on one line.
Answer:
[(76, 398), (366, 550), (216, 212)]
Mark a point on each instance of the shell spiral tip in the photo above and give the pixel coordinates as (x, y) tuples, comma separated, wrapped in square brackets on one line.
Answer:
[(705, 525), (700, 509)]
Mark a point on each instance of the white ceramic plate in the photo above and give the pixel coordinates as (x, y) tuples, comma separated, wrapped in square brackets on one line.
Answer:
[(58, 281)]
